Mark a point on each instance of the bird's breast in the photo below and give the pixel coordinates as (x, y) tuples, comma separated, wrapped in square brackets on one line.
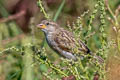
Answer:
[(50, 40)]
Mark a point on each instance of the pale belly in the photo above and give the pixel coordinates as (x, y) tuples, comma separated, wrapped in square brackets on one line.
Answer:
[(55, 47)]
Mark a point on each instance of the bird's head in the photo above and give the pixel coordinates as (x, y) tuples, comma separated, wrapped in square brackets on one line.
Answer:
[(47, 26)]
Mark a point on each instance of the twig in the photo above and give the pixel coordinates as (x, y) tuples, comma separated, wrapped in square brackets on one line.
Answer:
[(13, 17)]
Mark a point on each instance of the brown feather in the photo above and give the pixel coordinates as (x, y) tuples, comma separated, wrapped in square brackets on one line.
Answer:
[(66, 41)]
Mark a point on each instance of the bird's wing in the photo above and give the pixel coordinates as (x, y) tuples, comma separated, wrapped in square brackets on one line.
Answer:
[(84, 48), (65, 40)]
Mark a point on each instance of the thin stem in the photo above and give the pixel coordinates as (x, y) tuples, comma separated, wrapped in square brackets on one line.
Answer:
[(77, 73), (52, 66), (109, 9), (59, 10), (42, 9)]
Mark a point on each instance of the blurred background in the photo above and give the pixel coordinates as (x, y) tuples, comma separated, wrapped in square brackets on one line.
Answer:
[(17, 28)]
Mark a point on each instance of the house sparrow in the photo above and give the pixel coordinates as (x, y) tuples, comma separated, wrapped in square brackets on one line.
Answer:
[(62, 41)]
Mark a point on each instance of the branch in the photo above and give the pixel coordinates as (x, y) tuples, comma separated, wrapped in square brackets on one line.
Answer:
[(13, 17)]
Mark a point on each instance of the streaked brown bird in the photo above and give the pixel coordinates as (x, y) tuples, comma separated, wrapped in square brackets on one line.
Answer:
[(62, 41)]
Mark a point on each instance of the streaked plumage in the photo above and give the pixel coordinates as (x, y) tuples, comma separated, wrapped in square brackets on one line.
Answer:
[(61, 40)]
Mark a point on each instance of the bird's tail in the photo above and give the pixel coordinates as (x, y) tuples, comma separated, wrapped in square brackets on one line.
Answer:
[(100, 59)]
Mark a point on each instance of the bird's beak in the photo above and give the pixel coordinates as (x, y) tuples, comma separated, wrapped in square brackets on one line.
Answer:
[(41, 26)]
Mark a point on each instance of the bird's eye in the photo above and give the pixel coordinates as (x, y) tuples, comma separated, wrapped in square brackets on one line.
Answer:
[(47, 23)]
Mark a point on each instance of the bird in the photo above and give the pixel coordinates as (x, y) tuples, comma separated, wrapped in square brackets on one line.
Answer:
[(63, 41)]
